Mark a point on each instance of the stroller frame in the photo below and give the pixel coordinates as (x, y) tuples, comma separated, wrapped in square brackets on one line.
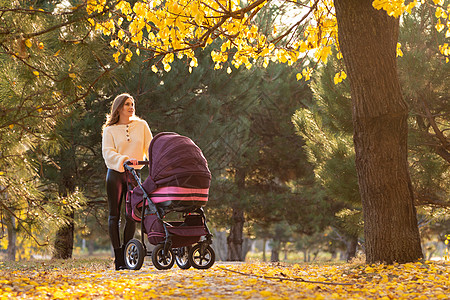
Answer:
[(199, 256)]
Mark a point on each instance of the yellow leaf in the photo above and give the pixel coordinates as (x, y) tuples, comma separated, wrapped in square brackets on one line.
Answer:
[(307, 73), (121, 34), (399, 50), (193, 62), (116, 56), (114, 43), (265, 293), (299, 76), (439, 26), (266, 62), (410, 6), (324, 52), (41, 45), (337, 78), (72, 75), (154, 69), (11, 126), (57, 52), (229, 70), (36, 73), (129, 54), (28, 43)]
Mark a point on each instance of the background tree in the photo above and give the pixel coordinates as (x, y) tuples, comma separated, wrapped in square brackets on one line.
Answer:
[(50, 60), (327, 127), (425, 78)]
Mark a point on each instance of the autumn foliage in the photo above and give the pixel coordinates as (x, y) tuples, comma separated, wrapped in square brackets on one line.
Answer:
[(97, 280), (175, 28)]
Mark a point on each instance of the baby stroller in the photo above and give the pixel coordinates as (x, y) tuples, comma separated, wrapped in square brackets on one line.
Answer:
[(178, 182)]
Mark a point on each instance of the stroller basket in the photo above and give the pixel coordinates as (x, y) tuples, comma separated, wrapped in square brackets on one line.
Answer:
[(182, 233)]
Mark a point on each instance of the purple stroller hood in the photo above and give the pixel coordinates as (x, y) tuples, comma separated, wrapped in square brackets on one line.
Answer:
[(174, 161)]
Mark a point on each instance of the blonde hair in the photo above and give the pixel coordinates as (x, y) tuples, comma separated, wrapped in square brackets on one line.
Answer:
[(113, 117)]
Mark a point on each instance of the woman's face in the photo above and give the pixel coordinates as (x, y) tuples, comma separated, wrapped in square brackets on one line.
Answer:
[(127, 110)]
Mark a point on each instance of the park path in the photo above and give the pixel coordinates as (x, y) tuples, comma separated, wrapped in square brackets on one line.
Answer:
[(220, 281)]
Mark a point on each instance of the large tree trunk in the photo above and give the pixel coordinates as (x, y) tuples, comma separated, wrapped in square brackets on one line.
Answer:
[(368, 40)]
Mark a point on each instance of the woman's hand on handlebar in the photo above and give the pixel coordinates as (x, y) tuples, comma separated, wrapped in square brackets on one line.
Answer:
[(131, 161)]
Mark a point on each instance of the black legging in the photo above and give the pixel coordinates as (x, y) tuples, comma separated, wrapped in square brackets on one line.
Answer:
[(116, 189)]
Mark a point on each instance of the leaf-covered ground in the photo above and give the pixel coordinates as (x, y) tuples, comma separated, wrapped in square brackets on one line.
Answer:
[(92, 279)]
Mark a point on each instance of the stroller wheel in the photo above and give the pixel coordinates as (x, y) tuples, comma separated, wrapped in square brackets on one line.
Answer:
[(201, 260), (161, 260), (134, 254), (182, 257)]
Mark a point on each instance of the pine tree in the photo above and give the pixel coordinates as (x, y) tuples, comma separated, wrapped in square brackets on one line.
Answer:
[(50, 59), (426, 81), (326, 126)]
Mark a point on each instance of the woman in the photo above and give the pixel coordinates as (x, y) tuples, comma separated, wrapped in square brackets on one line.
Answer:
[(125, 138)]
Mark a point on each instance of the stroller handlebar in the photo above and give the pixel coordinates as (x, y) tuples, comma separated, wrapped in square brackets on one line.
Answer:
[(140, 162), (127, 165)]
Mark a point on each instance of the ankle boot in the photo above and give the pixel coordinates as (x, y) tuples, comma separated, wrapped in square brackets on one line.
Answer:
[(119, 260)]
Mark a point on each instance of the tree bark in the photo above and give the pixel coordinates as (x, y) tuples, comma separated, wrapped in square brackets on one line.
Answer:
[(235, 238), (264, 250), (63, 246), (12, 238), (275, 254), (368, 39), (351, 244)]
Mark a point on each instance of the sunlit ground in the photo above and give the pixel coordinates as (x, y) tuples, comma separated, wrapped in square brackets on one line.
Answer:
[(94, 278)]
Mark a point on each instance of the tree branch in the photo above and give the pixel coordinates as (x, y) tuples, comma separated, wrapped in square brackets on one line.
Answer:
[(19, 221), (296, 279)]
